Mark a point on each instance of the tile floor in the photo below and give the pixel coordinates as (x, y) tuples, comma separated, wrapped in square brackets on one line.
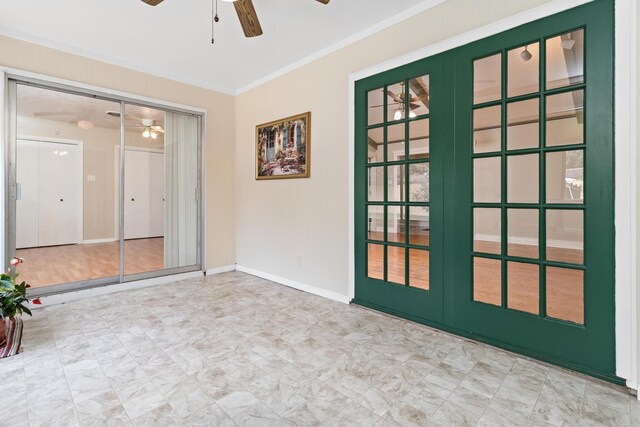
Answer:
[(234, 350)]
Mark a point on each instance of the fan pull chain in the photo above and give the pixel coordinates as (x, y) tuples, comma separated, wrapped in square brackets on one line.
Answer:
[(214, 13)]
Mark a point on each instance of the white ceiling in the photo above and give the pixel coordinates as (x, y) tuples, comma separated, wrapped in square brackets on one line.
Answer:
[(174, 38), (34, 102)]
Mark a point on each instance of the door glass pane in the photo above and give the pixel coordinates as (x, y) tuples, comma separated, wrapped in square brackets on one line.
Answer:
[(419, 225), (419, 269), (523, 124), (522, 178), (487, 179), (419, 182), (522, 287), (396, 105), (487, 79), (396, 264), (487, 230), (565, 177), (396, 184), (523, 70), (375, 184), (565, 118), (375, 223), (565, 236), (419, 139), (487, 280), (565, 294), (160, 191), (487, 130), (375, 259), (419, 91), (565, 59), (67, 211), (395, 142), (375, 113), (375, 142), (395, 224), (523, 233)]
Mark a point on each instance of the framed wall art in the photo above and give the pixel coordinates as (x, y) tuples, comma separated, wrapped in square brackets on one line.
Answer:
[(283, 148)]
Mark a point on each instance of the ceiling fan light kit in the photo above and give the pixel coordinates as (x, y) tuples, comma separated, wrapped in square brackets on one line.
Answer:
[(85, 124)]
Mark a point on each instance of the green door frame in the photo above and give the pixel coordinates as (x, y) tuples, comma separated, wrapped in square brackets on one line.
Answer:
[(589, 348)]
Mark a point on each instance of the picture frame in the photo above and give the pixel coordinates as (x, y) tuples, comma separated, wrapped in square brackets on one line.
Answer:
[(283, 148)]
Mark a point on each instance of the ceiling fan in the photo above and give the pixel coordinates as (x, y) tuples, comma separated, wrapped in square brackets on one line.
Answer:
[(246, 14), (148, 126), (421, 91)]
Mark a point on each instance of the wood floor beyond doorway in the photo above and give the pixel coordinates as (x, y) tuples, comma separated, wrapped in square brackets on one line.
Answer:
[(72, 263)]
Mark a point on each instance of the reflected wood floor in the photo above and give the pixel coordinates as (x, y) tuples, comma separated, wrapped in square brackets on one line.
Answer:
[(565, 290), (72, 263)]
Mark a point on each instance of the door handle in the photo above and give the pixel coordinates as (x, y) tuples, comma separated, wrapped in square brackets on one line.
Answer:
[(62, 200), (133, 200)]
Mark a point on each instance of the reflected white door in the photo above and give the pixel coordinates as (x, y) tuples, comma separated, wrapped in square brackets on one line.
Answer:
[(59, 195), (144, 194), (27, 194)]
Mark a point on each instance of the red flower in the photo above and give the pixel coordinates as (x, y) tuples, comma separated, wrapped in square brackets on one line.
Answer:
[(37, 301)]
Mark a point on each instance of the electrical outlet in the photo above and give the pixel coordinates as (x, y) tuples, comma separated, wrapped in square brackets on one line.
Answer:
[(91, 178)]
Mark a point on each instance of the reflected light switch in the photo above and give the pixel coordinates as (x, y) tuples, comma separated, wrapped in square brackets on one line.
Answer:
[(91, 178)]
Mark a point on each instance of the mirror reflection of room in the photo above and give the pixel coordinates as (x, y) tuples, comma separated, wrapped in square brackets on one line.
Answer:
[(68, 180), (66, 209)]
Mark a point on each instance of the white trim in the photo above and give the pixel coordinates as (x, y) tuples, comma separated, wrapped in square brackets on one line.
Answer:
[(217, 270), (380, 26), (63, 298), (530, 241), (94, 241), (14, 73), (296, 285), (115, 61), (626, 138), (46, 139)]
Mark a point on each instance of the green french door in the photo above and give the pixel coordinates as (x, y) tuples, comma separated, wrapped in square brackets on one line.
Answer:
[(400, 200), (519, 191)]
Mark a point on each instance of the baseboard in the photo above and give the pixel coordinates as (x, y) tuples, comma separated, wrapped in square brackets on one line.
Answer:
[(527, 241), (66, 297), (296, 285), (218, 270), (106, 240)]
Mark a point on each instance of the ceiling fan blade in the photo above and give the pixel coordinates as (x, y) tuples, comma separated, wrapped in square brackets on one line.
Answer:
[(153, 2), (248, 18), (395, 97), (324, 1)]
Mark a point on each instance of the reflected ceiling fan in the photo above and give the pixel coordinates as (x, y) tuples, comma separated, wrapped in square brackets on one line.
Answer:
[(246, 14), (421, 91), (148, 127)]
